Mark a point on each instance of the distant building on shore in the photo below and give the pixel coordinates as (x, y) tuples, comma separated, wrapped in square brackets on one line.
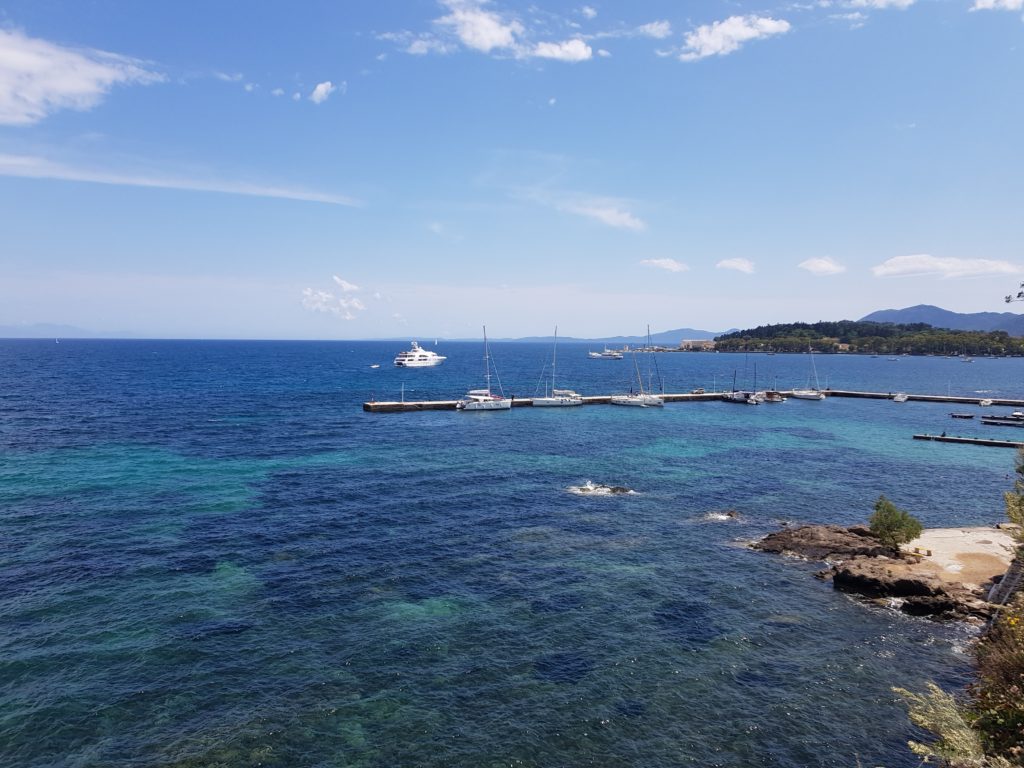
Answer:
[(697, 345)]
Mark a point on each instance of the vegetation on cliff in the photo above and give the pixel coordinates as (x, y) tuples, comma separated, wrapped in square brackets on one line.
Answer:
[(869, 338), (988, 730)]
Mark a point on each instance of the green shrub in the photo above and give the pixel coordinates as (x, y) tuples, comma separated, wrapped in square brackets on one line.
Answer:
[(893, 526)]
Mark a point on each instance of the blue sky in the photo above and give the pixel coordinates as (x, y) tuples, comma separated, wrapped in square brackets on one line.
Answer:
[(421, 167)]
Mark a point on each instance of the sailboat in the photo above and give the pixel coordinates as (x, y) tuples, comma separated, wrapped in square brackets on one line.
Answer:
[(484, 399), (557, 397), (808, 393), (640, 399)]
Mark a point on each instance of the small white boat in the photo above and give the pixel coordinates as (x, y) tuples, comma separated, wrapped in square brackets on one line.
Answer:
[(375, 365), (807, 394), (484, 399), (638, 399), (985, 403), (741, 397), (606, 354), (418, 357), (900, 397), (773, 396)]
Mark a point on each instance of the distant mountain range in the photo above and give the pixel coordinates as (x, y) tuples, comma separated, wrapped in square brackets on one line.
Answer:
[(663, 338), (937, 317)]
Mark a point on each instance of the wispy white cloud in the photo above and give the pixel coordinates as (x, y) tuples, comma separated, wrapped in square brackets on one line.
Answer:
[(38, 78), (925, 264), (479, 26), (882, 4), (322, 91), (345, 285), (740, 265), (725, 37), (825, 265), (659, 30), (669, 265), (608, 212), (324, 301), (603, 53), (229, 77), (344, 306), (277, 92), (588, 12), (998, 5), (569, 50), (32, 167)]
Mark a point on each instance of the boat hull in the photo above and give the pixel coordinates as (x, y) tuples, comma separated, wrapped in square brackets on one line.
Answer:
[(496, 404), (556, 402)]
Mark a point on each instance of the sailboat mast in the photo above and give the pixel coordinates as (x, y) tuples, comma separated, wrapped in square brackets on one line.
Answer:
[(554, 358), (487, 364)]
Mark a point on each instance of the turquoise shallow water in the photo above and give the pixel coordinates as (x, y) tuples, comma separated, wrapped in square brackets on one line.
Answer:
[(212, 556)]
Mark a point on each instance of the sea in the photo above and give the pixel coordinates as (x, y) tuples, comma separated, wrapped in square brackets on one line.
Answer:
[(210, 555)]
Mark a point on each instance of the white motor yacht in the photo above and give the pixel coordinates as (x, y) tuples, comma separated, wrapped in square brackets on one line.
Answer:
[(418, 357), (606, 354)]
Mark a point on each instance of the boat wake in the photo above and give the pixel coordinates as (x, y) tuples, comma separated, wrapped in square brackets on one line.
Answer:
[(590, 488)]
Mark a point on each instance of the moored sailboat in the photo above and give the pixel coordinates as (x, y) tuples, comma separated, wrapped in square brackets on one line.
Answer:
[(485, 399), (557, 398)]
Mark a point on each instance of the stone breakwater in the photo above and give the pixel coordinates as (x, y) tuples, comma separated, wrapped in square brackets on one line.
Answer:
[(946, 574)]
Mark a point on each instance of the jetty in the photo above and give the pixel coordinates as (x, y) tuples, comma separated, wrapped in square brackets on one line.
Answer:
[(381, 406), (943, 438)]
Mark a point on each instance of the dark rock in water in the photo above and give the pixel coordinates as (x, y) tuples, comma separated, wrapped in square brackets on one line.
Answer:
[(824, 542), (568, 667), (878, 577), (618, 489), (918, 594)]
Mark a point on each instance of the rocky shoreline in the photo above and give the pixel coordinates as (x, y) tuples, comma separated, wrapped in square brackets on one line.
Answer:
[(860, 564)]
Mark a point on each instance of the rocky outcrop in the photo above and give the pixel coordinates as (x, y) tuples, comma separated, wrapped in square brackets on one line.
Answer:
[(912, 591), (862, 565), (825, 542)]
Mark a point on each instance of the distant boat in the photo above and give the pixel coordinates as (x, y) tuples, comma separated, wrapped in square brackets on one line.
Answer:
[(484, 399), (900, 397), (773, 396), (375, 365), (558, 398), (741, 396), (985, 403), (418, 357), (606, 354)]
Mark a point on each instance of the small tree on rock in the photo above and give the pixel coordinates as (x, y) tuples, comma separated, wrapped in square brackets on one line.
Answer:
[(892, 525)]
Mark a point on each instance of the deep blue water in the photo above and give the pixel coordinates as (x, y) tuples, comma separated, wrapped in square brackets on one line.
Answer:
[(212, 556)]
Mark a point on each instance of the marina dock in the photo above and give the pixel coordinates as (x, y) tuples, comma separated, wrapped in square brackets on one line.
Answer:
[(971, 441), (379, 406)]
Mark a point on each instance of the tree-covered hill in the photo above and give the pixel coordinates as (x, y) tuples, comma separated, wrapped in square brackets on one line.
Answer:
[(869, 338)]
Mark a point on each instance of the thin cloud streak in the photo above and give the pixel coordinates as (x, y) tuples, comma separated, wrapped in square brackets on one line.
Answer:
[(669, 265), (921, 264), (740, 265), (32, 167)]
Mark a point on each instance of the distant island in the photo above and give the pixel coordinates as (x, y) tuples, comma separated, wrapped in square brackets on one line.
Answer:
[(857, 336)]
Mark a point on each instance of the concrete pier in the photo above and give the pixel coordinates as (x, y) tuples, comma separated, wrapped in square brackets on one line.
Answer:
[(375, 406), (971, 441)]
